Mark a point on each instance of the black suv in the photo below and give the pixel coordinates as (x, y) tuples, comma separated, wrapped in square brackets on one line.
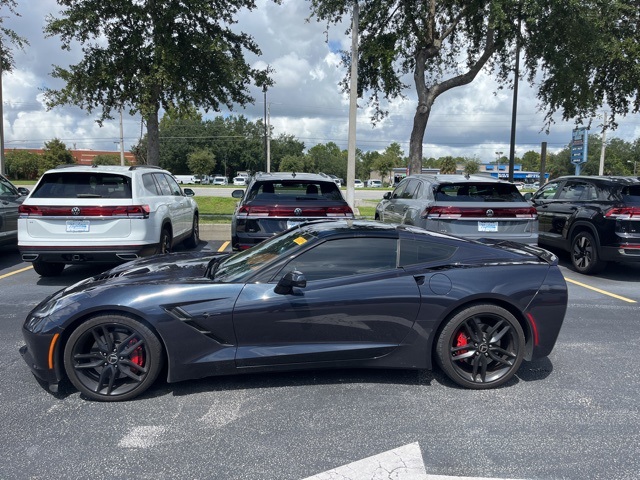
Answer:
[(274, 202), (595, 219)]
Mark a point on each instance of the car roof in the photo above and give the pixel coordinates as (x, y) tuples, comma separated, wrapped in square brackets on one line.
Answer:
[(618, 179), (455, 178), (262, 176), (104, 168)]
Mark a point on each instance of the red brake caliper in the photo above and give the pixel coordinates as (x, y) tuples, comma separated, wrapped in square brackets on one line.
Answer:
[(137, 356), (461, 341)]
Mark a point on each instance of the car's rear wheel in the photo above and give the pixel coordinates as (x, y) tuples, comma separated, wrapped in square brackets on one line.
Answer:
[(165, 241), (584, 254), (481, 347), (112, 358), (48, 269), (194, 239)]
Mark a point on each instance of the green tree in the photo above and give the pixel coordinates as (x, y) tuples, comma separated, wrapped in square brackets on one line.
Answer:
[(531, 161), (366, 166), (448, 165), (153, 54), (22, 164), (55, 153), (107, 159), (588, 51), (201, 162), (471, 166), (291, 163)]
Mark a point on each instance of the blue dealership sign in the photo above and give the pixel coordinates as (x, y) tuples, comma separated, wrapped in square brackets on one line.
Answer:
[(579, 146)]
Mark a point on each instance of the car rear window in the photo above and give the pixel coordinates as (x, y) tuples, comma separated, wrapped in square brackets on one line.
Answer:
[(294, 190), (478, 192), (631, 194), (83, 185)]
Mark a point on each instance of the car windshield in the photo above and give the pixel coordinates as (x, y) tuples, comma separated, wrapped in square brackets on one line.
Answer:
[(240, 266), (83, 185), (294, 190), (478, 192)]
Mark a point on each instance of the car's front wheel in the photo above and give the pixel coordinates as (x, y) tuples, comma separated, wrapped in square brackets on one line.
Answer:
[(584, 254), (112, 358), (165, 241), (48, 269), (481, 347)]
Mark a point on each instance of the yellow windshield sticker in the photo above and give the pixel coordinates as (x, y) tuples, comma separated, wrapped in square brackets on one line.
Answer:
[(300, 240)]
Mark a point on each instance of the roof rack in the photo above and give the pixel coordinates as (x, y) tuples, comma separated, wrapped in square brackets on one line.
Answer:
[(136, 167)]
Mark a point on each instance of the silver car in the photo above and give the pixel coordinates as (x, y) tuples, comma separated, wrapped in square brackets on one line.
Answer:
[(472, 207)]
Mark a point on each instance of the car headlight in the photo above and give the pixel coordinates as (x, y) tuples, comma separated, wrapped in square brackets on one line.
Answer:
[(49, 312)]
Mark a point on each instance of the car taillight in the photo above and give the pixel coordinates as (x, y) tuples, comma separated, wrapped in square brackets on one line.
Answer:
[(282, 211), (442, 212), (129, 211), (624, 213)]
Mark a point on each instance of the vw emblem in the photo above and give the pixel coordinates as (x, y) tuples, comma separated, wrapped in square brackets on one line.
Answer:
[(489, 213), (75, 211), (297, 212)]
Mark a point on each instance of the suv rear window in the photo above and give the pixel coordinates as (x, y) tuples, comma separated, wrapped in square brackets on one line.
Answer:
[(294, 190), (478, 192), (83, 185), (631, 194)]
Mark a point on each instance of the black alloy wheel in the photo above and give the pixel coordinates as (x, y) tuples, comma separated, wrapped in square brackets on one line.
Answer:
[(481, 347), (165, 241), (48, 269), (194, 239), (112, 358), (584, 254)]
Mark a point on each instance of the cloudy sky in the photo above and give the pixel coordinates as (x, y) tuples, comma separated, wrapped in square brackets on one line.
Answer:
[(306, 101)]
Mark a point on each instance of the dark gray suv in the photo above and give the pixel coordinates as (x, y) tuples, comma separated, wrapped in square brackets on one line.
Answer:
[(274, 202), (472, 207), (11, 198)]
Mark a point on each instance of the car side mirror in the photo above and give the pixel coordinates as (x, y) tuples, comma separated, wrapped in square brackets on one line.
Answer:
[(528, 196), (387, 196), (23, 191), (189, 192), (237, 193), (290, 280)]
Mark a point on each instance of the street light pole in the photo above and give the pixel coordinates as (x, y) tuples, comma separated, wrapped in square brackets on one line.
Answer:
[(264, 91), (499, 155)]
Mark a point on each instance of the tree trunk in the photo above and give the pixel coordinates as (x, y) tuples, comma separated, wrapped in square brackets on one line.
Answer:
[(153, 138), (420, 120)]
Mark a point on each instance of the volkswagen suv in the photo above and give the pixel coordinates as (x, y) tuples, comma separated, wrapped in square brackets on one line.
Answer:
[(94, 214), (274, 202), (473, 207), (595, 219)]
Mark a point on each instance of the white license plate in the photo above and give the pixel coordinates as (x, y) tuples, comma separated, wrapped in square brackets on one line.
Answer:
[(75, 226), (294, 223), (487, 226)]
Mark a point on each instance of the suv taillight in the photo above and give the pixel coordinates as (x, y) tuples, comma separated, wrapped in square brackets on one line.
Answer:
[(442, 212), (624, 213), (279, 211), (129, 211)]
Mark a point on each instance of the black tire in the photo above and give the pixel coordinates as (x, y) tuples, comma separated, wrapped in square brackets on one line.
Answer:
[(481, 347), (112, 358), (47, 269), (165, 241), (584, 254), (194, 239)]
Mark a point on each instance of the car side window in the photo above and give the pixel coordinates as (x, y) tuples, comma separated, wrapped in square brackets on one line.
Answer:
[(150, 184), (165, 189), (345, 257), (173, 185), (574, 191), (410, 189), (398, 191), (413, 252), (548, 191)]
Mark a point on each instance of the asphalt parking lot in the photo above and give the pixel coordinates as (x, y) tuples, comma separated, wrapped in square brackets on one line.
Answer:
[(573, 415)]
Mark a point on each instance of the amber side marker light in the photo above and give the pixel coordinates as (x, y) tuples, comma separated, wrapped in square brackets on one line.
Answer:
[(52, 347)]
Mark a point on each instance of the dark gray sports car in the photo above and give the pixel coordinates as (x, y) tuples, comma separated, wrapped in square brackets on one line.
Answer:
[(328, 294)]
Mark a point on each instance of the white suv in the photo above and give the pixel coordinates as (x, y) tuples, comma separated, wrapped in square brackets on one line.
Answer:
[(78, 214)]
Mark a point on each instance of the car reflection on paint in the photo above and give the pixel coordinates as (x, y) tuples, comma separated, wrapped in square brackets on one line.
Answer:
[(328, 294)]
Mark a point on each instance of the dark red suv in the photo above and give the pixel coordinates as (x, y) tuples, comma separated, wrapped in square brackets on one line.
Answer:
[(595, 219), (274, 202)]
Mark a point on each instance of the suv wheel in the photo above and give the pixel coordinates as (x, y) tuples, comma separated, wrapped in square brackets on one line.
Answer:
[(194, 239), (46, 269), (584, 254), (165, 241)]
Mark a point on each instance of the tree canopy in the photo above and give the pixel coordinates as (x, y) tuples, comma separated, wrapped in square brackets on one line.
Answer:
[(580, 54), (153, 54)]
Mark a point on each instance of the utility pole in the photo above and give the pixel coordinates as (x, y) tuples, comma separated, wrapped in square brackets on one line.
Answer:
[(514, 108), (604, 140), (268, 139), (121, 140), (2, 162), (266, 155), (353, 108)]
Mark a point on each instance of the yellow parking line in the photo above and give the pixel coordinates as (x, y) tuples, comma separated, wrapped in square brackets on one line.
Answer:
[(13, 273), (223, 247), (624, 299)]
